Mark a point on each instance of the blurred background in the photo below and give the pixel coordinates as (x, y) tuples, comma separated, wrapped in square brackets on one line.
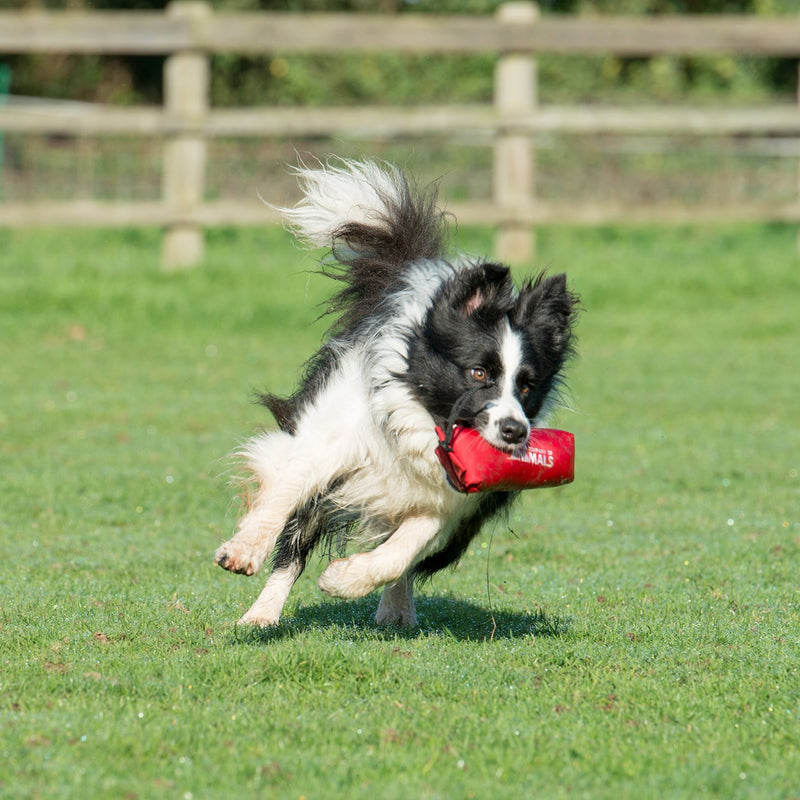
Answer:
[(632, 168)]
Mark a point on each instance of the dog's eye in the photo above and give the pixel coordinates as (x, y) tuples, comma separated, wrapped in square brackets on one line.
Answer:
[(525, 390), (478, 374)]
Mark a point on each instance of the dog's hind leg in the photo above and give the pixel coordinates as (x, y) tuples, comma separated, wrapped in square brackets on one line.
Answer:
[(254, 540), (397, 604), (288, 478), (301, 534), (259, 528), (267, 608), (359, 574)]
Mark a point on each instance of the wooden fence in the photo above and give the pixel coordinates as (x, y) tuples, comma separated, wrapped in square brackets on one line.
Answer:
[(189, 33)]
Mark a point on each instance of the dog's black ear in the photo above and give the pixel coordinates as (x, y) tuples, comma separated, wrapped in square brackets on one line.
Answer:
[(547, 308), (484, 285)]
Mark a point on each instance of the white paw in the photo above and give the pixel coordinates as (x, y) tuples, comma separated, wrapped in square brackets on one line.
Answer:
[(346, 578), (239, 557), (259, 618), (397, 606), (402, 617)]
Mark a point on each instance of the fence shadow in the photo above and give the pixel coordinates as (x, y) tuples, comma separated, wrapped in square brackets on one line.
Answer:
[(448, 617)]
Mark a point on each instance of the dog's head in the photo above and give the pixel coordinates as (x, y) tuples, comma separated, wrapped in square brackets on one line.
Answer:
[(489, 356)]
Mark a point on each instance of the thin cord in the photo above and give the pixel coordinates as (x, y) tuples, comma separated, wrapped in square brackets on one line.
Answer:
[(489, 587)]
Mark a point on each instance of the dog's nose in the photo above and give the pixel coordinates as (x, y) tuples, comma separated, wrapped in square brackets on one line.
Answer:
[(512, 431)]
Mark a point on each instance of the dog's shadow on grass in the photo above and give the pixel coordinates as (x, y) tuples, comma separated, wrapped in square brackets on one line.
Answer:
[(437, 616)]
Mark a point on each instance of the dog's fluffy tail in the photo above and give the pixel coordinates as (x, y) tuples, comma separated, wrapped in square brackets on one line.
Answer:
[(376, 223), (369, 207)]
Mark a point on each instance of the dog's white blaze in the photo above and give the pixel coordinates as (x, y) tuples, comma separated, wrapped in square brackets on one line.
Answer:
[(511, 353), (506, 406)]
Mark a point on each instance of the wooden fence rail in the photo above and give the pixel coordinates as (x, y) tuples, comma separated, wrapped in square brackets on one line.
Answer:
[(189, 33), (276, 32)]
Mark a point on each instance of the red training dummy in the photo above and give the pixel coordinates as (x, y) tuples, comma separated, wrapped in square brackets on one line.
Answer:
[(473, 465)]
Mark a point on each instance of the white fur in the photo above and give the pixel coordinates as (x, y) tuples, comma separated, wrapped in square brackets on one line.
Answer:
[(354, 191), (267, 609), (507, 406), (359, 574)]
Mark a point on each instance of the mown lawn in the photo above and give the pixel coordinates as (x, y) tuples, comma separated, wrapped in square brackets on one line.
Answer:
[(635, 634)]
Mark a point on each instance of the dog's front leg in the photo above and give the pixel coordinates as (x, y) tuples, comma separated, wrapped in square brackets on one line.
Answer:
[(359, 574)]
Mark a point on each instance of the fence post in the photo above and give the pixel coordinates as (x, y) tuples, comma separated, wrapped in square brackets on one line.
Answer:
[(186, 100), (5, 86), (515, 93)]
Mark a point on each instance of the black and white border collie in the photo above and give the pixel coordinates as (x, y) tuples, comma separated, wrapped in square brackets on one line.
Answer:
[(421, 340)]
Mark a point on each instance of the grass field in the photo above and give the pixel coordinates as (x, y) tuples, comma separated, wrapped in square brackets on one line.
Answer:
[(647, 617)]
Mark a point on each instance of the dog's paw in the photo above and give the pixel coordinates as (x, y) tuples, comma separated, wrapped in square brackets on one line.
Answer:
[(401, 617), (259, 618), (397, 606), (239, 557), (346, 578)]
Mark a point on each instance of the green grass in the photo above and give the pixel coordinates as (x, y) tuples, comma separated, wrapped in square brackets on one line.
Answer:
[(647, 617)]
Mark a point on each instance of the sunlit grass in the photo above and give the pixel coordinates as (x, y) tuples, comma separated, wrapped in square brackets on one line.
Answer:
[(631, 635)]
